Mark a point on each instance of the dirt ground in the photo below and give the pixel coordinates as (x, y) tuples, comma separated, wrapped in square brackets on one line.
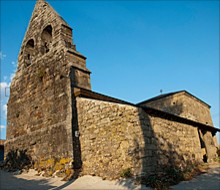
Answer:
[(207, 181), (29, 181)]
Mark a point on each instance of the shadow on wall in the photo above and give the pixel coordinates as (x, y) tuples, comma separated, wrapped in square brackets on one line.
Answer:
[(158, 153), (1, 153), (9, 181), (17, 160)]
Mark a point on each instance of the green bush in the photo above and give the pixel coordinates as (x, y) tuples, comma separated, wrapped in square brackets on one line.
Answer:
[(170, 175), (126, 173), (155, 182)]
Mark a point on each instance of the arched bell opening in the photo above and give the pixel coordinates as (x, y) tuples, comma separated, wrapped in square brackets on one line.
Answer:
[(46, 39)]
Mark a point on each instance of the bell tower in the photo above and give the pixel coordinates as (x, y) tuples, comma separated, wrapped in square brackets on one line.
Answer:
[(40, 107), (48, 34)]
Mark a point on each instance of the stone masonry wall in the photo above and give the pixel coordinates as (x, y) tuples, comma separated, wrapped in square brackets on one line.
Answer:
[(177, 142), (184, 105), (43, 114), (115, 137), (40, 104), (187, 106)]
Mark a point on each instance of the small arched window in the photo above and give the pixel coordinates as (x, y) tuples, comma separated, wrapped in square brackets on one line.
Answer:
[(46, 38), (30, 43), (29, 51)]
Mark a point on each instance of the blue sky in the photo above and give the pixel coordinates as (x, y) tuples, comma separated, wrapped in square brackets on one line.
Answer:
[(133, 48)]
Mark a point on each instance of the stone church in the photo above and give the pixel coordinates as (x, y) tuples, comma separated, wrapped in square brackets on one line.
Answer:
[(59, 123)]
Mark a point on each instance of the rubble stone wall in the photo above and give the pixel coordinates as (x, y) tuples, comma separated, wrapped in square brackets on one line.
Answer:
[(184, 105), (115, 137), (40, 108), (43, 144)]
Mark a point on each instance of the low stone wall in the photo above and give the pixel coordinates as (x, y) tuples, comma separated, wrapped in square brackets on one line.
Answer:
[(115, 137)]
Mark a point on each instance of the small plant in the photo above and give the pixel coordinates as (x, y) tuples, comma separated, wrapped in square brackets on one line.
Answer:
[(40, 74), (217, 159), (174, 173), (126, 173), (171, 175), (155, 182), (17, 114)]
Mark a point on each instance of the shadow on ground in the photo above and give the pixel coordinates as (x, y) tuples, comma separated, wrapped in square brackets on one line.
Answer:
[(160, 153), (8, 181), (210, 180)]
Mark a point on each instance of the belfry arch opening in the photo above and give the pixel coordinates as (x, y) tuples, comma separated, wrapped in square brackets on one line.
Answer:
[(30, 43), (46, 38), (29, 52)]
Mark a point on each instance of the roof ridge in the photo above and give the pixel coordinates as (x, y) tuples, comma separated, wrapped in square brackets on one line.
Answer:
[(170, 94)]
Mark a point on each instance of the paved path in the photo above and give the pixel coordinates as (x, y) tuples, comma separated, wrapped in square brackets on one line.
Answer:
[(29, 181)]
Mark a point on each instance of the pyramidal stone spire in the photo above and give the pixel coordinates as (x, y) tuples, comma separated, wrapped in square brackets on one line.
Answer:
[(48, 34), (40, 105)]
